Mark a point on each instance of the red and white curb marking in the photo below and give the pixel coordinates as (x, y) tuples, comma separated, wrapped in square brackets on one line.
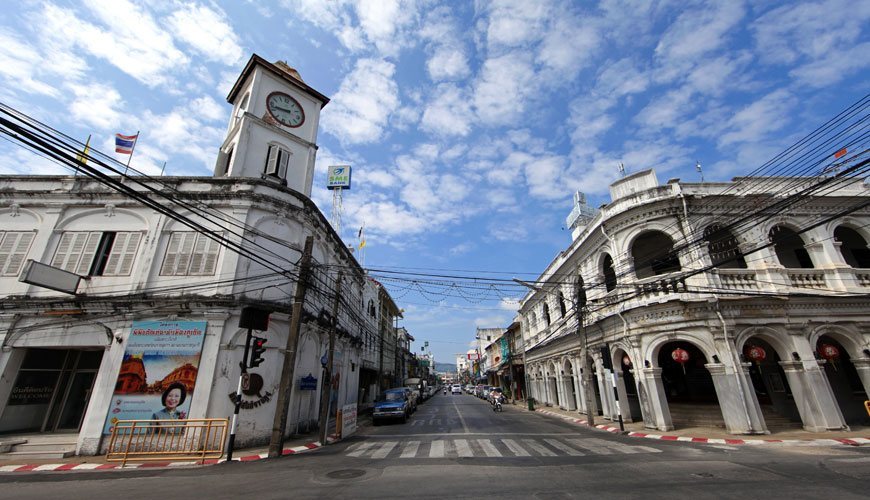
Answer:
[(149, 465), (857, 441)]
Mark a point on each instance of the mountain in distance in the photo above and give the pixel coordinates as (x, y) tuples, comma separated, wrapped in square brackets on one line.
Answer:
[(445, 367)]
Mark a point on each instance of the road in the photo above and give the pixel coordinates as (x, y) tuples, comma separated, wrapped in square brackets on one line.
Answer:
[(456, 447)]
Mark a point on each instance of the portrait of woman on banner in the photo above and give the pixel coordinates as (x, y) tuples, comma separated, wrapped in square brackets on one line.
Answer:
[(172, 398)]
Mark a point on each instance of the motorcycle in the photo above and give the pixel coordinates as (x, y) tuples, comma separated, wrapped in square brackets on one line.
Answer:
[(445, 391), (496, 403)]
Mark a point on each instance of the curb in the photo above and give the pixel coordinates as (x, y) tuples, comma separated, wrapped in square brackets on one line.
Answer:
[(858, 441), (150, 465)]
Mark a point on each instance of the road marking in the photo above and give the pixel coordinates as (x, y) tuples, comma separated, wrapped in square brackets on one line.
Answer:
[(437, 449), (564, 447), (410, 450), (384, 450), (538, 448), (464, 427), (592, 445), (515, 448), (462, 448), (488, 448), (358, 450)]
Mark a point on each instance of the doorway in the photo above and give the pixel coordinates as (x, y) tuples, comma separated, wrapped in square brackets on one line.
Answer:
[(52, 391)]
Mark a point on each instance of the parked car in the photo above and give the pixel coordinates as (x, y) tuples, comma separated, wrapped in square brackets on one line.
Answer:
[(392, 404), (413, 398)]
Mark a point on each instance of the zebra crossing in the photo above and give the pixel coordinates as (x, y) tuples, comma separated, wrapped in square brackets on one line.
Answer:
[(493, 448)]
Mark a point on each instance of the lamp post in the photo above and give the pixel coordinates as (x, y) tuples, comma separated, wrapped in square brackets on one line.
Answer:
[(579, 312)]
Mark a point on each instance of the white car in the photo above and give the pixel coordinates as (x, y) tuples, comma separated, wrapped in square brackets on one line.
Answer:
[(457, 389)]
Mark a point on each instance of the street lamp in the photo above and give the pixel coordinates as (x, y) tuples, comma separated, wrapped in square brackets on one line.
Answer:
[(581, 324)]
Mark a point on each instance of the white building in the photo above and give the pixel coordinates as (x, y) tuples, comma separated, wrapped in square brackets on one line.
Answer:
[(64, 358), (756, 326)]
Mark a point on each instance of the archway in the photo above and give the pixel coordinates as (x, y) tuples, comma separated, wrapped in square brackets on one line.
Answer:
[(789, 248), (623, 363), (688, 386), (853, 247), (844, 380), (593, 379), (569, 386), (770, 384), (653, 254)]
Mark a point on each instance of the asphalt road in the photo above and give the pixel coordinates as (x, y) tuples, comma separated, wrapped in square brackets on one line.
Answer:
[(457, 447)]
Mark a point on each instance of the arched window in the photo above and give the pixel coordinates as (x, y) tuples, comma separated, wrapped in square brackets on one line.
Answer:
[(853, 246), (546, 313), (653, 254), (609, 273), (723, 248), (372, 310), (534, 319), (580, 292), (562, 308), (789, 248)]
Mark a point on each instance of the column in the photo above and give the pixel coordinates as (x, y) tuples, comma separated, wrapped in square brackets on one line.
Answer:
[(862, 366), (653, 401), (740, 416), (624, 407), (578, 381), (812, 393)]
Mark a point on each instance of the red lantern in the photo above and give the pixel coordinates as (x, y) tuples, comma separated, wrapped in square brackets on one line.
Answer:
[(756, 353), (626, 360), (681, 357), (829, 352)]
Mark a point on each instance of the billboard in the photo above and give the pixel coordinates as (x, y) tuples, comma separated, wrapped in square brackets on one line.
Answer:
[(338, 176), (158, 374)]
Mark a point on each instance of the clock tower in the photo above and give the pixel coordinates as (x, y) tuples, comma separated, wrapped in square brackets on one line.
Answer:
[(272, 132)]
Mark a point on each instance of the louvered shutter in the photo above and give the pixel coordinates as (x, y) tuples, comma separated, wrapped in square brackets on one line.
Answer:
[(272, 160), (207, 253), (13, 250), (283, 161), (184, 253), (171, 258), (88, 253), (198, 256), (69, 251), (122, 255)]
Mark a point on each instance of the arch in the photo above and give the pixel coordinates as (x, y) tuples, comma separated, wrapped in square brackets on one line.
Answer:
[(655, 344), (769, 335), (626, 383), (562, 309), (723, 248), (846, 385), (653, 254), (789, 247), (17, 219), (844, 336), (545, 314), (108, 218), (580, 292), (690, 391), (569, 384), (853, 246), (769, 381)]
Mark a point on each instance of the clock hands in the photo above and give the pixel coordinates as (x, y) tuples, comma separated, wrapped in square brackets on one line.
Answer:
[(286, 109)]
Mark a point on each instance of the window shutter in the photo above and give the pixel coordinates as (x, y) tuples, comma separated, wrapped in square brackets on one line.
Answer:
[(69, 251), (211, 254), (198, 256), (123, 252), (88, 253), (13, 250), (63, 250), (171, 257), (283, 162), (272, 160)]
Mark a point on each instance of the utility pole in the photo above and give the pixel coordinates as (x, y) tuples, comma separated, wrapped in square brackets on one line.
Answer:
[(326, 386), (285, 387)]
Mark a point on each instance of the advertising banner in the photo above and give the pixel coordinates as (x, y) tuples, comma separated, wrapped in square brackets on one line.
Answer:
[(348, 420), (158, 374)]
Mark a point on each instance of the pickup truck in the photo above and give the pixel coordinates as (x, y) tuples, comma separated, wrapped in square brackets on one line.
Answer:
[(392, 404)]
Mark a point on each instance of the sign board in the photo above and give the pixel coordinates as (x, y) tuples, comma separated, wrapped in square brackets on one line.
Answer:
[(338, 177), (474, 355), (348, 420), (39, 274), (158, 374), (308, 383)]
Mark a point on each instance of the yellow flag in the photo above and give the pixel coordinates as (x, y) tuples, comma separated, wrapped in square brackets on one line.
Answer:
[(83, 156), (362, 244)]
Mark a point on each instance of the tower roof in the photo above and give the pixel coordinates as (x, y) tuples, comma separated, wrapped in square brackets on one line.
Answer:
[(281, 70)]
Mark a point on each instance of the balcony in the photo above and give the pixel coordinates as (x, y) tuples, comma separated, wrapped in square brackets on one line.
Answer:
[(807, 278)]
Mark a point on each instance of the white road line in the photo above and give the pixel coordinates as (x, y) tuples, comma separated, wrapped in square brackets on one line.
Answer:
[(515, 448), (359, 450), (625, 448), (384, 450), (462, 420), (437, 449), (410, 450), (564, 447), (592, 445), (538, 448), (488, 448), (462, 448)]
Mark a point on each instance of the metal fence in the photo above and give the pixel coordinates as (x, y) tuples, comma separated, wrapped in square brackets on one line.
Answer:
[(149, 440)]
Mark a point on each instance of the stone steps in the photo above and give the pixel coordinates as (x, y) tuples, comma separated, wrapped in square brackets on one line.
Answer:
[(38, 446)]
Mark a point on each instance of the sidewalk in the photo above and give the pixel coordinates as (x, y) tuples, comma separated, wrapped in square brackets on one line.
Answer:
[(858, 436)]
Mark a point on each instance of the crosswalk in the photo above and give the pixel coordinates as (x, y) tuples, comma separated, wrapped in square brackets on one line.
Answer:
[(492, 447)]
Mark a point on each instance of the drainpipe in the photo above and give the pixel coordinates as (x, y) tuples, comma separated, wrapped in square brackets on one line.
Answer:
[(735, 359)]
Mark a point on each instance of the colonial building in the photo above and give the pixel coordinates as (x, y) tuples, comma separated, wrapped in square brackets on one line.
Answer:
[(178, 272), (734, 304)]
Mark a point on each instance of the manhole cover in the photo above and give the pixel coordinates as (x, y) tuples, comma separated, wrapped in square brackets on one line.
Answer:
[(345, 473)]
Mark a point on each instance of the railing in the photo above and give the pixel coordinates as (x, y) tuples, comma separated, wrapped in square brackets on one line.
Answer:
[(807, 278), (148, 440), (737, 279), (863, 277)]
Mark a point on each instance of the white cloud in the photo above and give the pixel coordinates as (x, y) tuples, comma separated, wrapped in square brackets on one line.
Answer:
[(569, 45), (96, 104), (447, 63), (21, 67), (208, 31), (448, 112), (515, 23), (503, 87), (544, 177), (834, 67), (360, 110), (759, 119)]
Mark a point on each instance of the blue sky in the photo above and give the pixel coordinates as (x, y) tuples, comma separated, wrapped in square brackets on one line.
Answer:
[(469, 124)]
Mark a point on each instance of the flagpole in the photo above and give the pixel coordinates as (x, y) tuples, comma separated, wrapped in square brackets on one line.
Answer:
[(131, 152)]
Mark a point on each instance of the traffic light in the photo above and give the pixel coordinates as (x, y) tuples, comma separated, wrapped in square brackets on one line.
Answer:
[(258, 347)]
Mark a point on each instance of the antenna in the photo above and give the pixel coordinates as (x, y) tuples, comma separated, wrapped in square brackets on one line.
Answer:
[(698, 168), (621, 168)]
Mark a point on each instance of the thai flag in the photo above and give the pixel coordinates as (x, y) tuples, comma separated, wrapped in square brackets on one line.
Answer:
[(124, 143)]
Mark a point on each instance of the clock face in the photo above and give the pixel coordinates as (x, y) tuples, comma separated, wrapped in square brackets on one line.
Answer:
[(285, 109)]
